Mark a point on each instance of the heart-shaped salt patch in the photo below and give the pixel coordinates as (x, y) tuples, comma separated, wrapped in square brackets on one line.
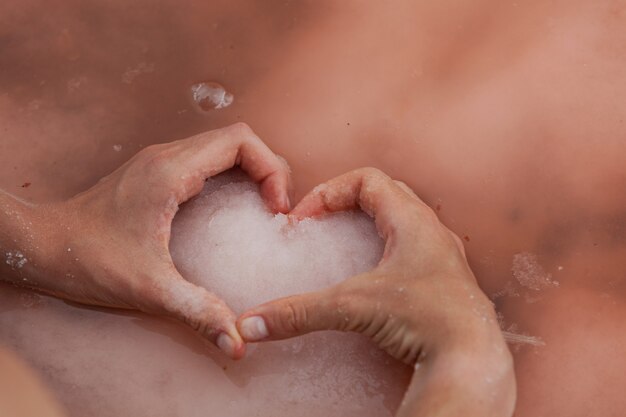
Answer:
[(226, 240)]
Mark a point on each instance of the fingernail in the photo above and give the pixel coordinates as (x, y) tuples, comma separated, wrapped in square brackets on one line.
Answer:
[(286, 202), (254, 328), (226, 344)]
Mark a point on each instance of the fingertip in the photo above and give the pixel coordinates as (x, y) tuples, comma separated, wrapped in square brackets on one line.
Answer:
[(228, 339), (208, 315), (253, 328), (233, 347), (285, 204), (276, 195), (309, 206), (405, 187)]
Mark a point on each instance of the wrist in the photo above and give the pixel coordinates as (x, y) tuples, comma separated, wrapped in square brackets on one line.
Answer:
[(466, 368), (15, 229), (478, 383), (474, 379), (28, 239)]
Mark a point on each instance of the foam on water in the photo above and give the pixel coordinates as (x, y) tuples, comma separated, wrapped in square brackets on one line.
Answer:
[(529, 272)]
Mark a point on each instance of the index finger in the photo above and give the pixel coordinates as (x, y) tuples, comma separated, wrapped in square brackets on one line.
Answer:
[(369, 189), (210, 153)]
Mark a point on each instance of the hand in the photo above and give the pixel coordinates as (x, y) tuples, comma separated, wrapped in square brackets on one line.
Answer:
[(108, 246), (421, 303)]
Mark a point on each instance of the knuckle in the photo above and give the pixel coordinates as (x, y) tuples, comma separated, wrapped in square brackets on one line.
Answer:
[(458, 243), (356, 307), (457, 240), (193, 322), (284, 165), (150, 151), (160, 165), (428, 214), (294, 318), (406, 189), (402, 184), (204, 322), (345, 302), (156, 157), (242, 129), (371, 173)]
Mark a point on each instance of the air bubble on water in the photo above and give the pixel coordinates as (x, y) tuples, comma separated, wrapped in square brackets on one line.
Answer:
[(211, 96)]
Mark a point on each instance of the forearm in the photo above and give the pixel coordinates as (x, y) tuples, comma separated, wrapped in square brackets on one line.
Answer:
[(476, 381)]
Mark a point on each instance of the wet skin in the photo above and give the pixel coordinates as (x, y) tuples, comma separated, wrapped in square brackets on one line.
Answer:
[(508, 120)]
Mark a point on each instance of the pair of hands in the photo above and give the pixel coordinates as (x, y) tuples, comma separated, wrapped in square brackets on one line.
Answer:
[(108, 246)]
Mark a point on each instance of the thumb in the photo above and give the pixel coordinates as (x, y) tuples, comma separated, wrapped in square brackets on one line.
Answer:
[(206, 313), (289, 317), (332, 309), (297, 315)]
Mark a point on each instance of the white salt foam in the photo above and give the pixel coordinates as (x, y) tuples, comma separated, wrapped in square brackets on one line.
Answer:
[(227, 241)]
